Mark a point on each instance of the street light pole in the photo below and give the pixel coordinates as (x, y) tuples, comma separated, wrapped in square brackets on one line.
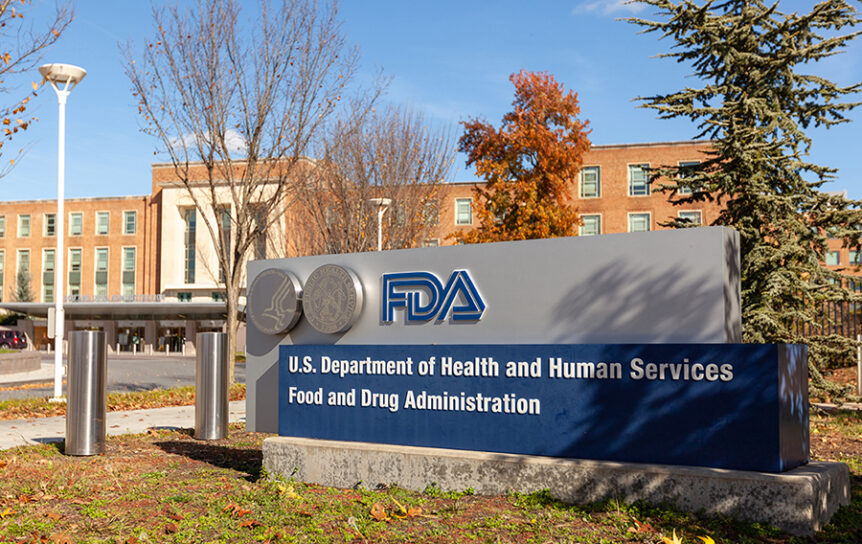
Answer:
[(62, 77), (382, 205)]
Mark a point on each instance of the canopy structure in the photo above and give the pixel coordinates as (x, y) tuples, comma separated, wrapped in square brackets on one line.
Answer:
[(126, 310)]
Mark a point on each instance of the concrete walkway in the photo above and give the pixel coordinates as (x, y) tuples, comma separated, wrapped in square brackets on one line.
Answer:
[(25, 432)]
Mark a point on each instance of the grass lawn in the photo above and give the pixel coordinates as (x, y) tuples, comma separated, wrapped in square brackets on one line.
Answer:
[(167, 487), (164, 486)]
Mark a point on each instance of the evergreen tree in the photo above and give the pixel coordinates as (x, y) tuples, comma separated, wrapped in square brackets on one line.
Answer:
[(22, 287), (755, 102), (529, 163)]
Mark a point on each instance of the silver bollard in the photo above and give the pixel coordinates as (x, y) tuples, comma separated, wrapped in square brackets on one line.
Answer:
[(87, 397), (211, 391)]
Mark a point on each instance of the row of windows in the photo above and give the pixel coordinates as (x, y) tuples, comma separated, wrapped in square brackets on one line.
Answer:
[(833, 258), (76, 255), (638, 221), (76, 224), (639, 181)]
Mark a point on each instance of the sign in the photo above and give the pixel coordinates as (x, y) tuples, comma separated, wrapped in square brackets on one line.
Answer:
[(408, 289), (674, 287), (733, 406)]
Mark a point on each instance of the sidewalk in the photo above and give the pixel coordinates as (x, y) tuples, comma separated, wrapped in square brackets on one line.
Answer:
[(25, 432), (44, 374)]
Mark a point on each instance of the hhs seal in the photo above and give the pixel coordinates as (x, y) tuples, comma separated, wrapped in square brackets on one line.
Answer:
[(274, 301), (332, 299)]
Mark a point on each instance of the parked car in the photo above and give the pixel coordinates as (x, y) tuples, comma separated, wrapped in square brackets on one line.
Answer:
[(13, 339)]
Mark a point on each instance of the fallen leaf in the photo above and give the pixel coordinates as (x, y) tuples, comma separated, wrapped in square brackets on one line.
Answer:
[(378, 513), (6, 512), (171, 528), (675, 540), (53, 515), (250, 523), (61, 538), (414, 512)]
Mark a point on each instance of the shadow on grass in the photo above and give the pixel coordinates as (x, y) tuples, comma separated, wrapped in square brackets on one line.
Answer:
[(247, 460)]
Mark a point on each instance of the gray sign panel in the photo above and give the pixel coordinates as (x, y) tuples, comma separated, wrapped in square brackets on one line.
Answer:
[(673, 286)]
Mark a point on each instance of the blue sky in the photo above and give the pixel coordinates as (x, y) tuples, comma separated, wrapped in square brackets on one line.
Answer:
[(449, 59)]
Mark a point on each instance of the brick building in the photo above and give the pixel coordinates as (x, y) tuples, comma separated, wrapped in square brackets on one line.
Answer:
[(613, 193), (139, 247)]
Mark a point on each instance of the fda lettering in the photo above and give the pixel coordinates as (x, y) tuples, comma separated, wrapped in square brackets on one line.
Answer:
[(423, 297)]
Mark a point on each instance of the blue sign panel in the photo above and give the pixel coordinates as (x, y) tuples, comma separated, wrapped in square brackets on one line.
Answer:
[(734, 406)]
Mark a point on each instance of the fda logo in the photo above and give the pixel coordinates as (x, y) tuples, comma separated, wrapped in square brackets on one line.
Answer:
[(424, 297)]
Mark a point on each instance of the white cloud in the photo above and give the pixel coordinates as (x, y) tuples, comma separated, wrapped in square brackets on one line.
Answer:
[(608, 7), (233, 140)]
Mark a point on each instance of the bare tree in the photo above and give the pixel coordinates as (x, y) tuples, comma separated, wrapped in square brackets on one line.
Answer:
[(234, 104), (21, 46), (393, 154)]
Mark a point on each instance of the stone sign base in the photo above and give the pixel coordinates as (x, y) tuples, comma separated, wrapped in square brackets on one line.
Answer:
[(799, 501)]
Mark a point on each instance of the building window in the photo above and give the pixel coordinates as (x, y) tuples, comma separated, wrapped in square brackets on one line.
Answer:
[(76, 223), (639, 184), (50, 224), (833, 258), (103, 220), (685, 190), (75, 272), (101, 272), (184, 296), (24, 226), (433, 242), (2, 226), (130, 222), (2, 272), (592, 225), (430, 212), (129, 254), (224, 224), (48, 275), (693, 217), (854, 258), (260, 232), (463, 211), (639, 222), (218, 296), (591, 183), (23, 261), (189, 241)]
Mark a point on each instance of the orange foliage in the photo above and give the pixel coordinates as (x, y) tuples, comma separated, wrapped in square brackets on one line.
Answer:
[(529, 164)]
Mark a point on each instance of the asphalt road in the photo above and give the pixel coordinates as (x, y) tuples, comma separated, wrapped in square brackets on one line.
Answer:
[(141, 373)]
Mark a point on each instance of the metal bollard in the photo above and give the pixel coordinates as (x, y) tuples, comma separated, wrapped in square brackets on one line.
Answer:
[(211, 391), (87, 397)]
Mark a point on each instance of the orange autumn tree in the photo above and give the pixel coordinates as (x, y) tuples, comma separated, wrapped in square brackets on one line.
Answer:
[(529, 164)]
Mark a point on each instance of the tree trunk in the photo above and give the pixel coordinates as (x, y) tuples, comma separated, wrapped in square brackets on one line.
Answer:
[(232, 326)]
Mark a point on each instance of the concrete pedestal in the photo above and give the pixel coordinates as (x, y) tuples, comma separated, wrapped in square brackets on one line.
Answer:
[(799, 501)]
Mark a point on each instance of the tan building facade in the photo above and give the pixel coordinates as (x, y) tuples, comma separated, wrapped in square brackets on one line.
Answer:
[(109, 245)]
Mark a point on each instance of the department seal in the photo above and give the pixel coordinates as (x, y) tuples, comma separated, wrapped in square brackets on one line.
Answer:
[(332, 299), (274, 301)]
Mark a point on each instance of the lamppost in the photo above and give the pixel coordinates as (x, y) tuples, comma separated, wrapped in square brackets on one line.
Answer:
[(382, 205), (63, 78)]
